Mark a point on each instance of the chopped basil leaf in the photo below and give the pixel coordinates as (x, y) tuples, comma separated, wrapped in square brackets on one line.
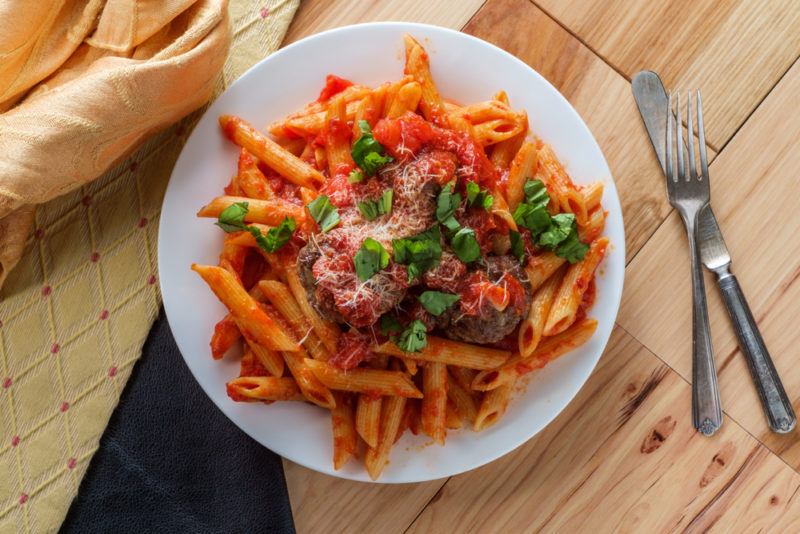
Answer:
[(466, 245), (324, 213), (517, 246), (232, 218), (367, 152), (372, 209), (436, 302), (536, 193), (478, 197), (414, 338), (390, 325), (559, 230), (446, 206), (370, 259), (572, 249), (355, 176), (419, 253)]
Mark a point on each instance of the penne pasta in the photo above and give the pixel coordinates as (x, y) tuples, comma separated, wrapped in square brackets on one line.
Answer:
[(252, 181), (531, 328), (226, 333), (252, 320), (548, 350), (559, 185), (270, 360), (283, 301), (592, 194), (406, 98), (440, 350), (493, 406), (312, 387), (271, 153), (368, 418), (541, 267), (462, 400), (572, 287), (418, 66), (327, 331), (594, 227), (463, 377), (452, 418), (362, 380), (337, 138), (391, 416), (523, 167), (263, 388), (345, 440), (271, 212), (434, 401)]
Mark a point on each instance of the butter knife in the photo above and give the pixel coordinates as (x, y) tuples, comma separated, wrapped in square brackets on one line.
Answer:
[(651, 98)]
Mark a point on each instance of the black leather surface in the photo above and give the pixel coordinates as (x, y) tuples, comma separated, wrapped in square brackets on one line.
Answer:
[(170, 461)]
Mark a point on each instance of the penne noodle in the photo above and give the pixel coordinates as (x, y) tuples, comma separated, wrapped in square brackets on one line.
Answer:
[(327, 331), (531, 328), (523, 167), (450, 352), (345, 440), (337, 138), (271, 153), (252, 181), (263, 388), (352, 94), (368, 418), (409, 365), (592, 194), (294, 145), (462, 400), (463, 377), (434, 401), (541, 267), (252, 320), (226, 333), (559, 185), (504, 151), (391, 416), (283, 301), (573, 286), (271, 212), (418, 66), (493, 406), (270, 360), (501, 96), (362, 380), (452, 418), (500, 209), (406, 98), (594, 227), (313, 389), (548, 350)]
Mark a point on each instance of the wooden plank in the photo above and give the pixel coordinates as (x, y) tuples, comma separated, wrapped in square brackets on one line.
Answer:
[(735, 51), (315, 16), (754, 189), (623, 457), (601, 96)]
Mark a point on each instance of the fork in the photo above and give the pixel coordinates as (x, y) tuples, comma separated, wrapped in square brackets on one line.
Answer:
[(689, 194)]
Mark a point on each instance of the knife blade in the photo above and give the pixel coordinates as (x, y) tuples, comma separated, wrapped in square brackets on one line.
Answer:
[(652, 101)]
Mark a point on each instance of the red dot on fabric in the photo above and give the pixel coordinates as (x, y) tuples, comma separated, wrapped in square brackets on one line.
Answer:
[(46, 290), (142, 222), (95, 257), (134, 166), (39, 233), (152, 279), (86, 200), (112, 372), (15, 441), (264, 12), (64, 406), (54, 348), (104, 315), (7, 382), (23, 498), (71, 463)]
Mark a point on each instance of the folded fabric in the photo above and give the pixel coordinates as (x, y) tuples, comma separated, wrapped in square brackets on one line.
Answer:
[(83, 83), (170, 461)]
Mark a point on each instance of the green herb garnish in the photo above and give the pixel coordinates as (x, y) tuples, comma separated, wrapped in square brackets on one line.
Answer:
[(355, 176), (517, 246), (370, 259), (419, 253), (478, 197), (390, 325), (437, 302), (446, 205), (465, 245), (372, 209), (232, 220), (367, 152), (324, 213), (414, 338)]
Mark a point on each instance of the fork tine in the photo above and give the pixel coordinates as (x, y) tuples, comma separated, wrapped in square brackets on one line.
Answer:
[(679, 139), (701, 132), (670, 120), (690, 137)]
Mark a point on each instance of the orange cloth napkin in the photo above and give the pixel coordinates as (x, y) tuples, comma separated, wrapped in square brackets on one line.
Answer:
[(82, 83)]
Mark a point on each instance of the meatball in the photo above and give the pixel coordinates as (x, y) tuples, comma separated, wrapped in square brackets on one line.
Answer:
[(476, 319)]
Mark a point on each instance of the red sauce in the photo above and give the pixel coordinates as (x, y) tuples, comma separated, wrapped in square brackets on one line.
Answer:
[(478, 291), (338, 190), (251, 366), (403, 137), (333, 86), (483, 223), (352, 348), (587, 301)]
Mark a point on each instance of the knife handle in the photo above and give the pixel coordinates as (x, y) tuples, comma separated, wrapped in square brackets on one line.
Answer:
[(776, 404)]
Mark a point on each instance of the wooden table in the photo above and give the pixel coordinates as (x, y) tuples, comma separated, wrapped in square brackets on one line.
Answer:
[(624, 456)]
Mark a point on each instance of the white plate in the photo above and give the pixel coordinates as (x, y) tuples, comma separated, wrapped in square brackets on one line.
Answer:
[(465, 69)]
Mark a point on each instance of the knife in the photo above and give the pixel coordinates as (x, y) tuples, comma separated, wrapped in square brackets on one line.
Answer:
[(651, 98)]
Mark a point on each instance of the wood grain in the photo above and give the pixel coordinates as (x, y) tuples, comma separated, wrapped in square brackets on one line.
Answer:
[(623, 457), (735, 50), (315, 16), (602, 97), (754, 184)]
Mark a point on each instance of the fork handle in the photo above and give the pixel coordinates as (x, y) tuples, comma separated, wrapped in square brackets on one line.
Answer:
[(777, 406), (706, 409)]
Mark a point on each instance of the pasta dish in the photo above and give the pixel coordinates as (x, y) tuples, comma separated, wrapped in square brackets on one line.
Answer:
[(400, 260)]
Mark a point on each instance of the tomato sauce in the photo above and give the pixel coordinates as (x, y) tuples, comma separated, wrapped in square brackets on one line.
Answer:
[(587, 301), (333, 86), (352, 348)]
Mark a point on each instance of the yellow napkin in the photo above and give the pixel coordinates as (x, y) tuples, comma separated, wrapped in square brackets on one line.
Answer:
[(94, 80)]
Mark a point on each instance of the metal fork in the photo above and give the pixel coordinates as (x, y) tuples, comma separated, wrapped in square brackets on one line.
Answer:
[(689, 194)]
